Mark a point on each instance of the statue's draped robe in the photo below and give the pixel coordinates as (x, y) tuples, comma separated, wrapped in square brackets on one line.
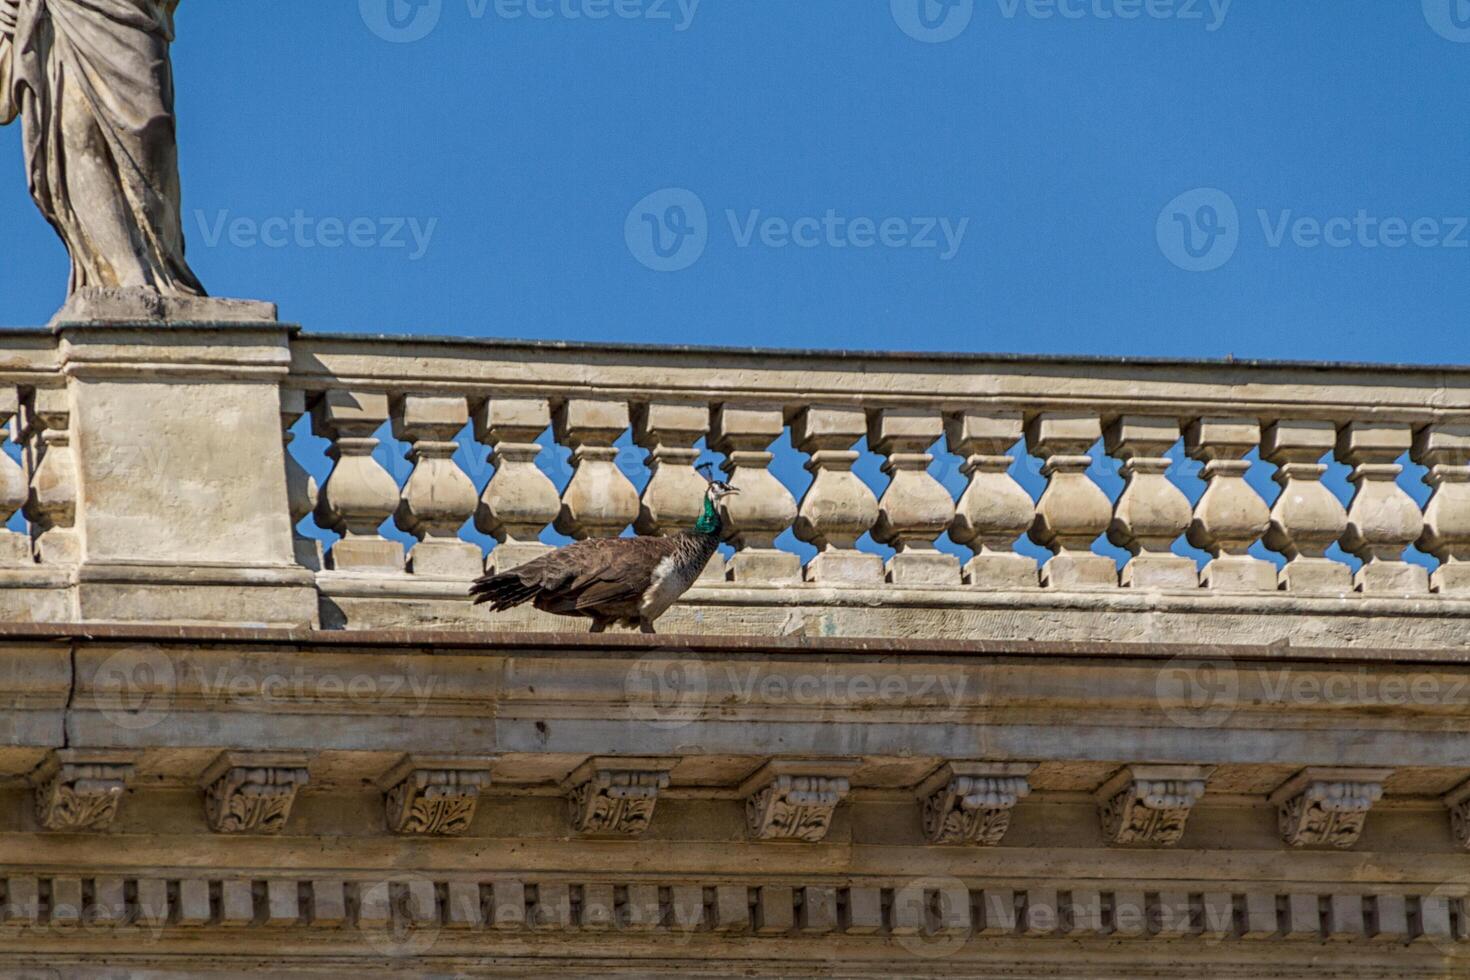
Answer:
[(92, 83)]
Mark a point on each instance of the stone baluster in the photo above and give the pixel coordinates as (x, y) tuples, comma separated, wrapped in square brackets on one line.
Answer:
[(915, 509), (15, 547), (520, 500), (1151, 512), (1445, 449), (438, 498), (838, 508), (1307, 517), (1230, 516), (360, 494), (600, 501), (301, 488), (764, 508), (994, 510), (52, 501), (1382, 520), (1072, 510), (674, 497)]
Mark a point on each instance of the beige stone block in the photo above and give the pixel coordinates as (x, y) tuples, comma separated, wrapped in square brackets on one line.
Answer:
[(507, 904), (66, 902), (1434, 919), (732, 908), (553, 908), (1345, 917), (109, 902), (446, 559), (22, 900), (462, 905), (763, 565), (687, 905), (1303, 916), (422, 903), (431, 411), (1159, 572), (374, 905), (1390, 918), (923, 568), (909, 914), (194, 908), (329, 903), (1219, 915), (152, 908), (283, 902), (1260, 916), (1237, 573), (775, 910), (844, 568), (1173, 914), (864, 911), (599, 908), (1130, 914), (818, 910), (1319, 575), (518, 413), (365, 554), (915, 427), (1074, 571), (998, 908), (1392, 578), (1086, 908), (1043, 912), (237, 903), (1064, 432), (1001, 571), (512, 554), (643, 911), (1451, 579)]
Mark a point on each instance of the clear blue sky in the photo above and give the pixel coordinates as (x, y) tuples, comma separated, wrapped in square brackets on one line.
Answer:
[(1061, 141)]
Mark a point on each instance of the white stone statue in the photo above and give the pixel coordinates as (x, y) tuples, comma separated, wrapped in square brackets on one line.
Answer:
[(92, 83)]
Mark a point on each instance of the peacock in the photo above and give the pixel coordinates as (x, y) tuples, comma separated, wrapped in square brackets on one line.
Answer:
[(630, 581)]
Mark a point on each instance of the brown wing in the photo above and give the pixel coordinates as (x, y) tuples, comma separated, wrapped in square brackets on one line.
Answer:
[(581, 577)]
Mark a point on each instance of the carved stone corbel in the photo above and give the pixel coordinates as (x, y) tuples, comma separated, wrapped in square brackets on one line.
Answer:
[(251, 792), (1327, 806), (612, 796), (971, 802), (795, 800), (434, 795), (80, 790), (1150, 804)]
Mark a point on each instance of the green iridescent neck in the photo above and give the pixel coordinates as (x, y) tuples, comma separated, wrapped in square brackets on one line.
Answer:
[(709, 521)]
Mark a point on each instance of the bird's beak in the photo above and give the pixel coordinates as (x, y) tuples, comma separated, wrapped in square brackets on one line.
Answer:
[(732, 490)]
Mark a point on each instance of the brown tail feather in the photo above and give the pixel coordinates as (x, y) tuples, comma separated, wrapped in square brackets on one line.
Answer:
[(503, 591)]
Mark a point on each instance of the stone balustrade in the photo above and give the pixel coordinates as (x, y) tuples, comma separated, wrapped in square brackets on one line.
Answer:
[(142, 460)]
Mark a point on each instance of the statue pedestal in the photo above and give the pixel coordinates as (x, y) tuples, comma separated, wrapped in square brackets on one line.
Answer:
[(175, 417)]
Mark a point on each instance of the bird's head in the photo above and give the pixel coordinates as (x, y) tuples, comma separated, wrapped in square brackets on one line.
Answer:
[(719, 489)]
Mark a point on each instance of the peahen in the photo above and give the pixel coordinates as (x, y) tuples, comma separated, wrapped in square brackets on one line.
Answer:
[(612, 580)]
